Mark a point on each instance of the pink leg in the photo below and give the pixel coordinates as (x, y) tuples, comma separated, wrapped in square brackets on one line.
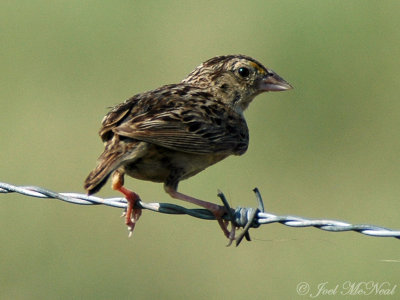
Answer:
[(132, 214), (217, 210)]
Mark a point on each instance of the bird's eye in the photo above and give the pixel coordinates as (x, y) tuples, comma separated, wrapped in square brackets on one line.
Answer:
[(244, 72)]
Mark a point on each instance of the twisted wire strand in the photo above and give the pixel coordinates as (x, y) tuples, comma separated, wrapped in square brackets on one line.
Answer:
[(245, 217)]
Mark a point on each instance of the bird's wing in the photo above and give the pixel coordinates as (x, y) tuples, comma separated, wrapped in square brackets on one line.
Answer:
[(193, 124), (113, 119)]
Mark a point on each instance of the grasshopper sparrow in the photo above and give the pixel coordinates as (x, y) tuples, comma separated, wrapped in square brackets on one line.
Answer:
[(176, 131)]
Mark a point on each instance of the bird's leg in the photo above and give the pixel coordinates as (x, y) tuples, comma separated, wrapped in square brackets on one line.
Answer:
[(216, 209), (132, 214)]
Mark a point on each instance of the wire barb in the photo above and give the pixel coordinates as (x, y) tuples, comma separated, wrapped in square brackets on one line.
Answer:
[(245, 217)]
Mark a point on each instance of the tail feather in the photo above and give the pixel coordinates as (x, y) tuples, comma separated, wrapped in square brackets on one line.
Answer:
[(92, 186), (106, 164), (111, 159)]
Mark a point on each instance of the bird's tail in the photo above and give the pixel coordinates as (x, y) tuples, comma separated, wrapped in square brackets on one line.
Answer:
[(110, 160), (106, 164)]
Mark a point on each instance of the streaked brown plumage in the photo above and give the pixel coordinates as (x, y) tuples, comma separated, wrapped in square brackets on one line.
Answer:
[(174, 132)]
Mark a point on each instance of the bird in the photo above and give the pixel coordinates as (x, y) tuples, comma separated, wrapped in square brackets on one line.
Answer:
[(172, 133)]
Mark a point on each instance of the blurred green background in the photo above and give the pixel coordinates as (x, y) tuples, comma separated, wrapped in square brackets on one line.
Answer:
[(327, 149)]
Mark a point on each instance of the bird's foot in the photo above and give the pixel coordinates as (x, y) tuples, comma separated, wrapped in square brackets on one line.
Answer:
[(132, 213), (217, 210), (224, 224), (130, 220)]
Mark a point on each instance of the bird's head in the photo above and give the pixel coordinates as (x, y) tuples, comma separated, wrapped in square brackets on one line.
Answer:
[(236, 79)]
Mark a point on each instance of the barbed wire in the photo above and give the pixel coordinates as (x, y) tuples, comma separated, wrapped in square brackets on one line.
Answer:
[(245, 217)]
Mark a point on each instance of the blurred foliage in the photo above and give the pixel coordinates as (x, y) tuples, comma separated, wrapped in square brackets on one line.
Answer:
[(327, 149)]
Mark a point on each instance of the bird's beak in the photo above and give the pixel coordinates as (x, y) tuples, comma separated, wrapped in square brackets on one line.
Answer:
[(272, 82)]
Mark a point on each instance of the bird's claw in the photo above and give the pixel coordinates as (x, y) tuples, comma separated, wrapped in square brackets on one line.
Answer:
[(249, 224), (132, 219), (231, 237), (130, 229)]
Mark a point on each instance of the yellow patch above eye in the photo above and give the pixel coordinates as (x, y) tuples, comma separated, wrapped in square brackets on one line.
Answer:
[(258, 68)]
